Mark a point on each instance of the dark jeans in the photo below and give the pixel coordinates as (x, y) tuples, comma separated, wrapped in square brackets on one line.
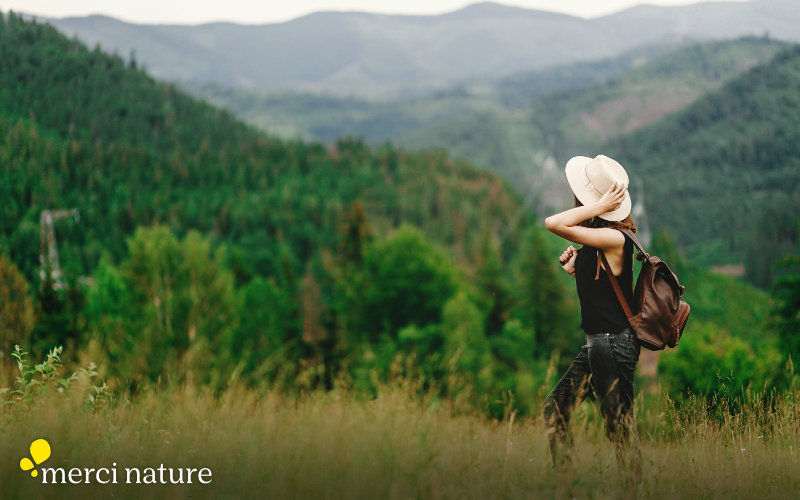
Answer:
[(603, 369)]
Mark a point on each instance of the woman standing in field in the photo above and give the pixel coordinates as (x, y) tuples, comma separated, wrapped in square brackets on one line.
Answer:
[(605, 365)]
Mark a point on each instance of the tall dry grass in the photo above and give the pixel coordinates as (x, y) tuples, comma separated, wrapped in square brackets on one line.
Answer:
[(397, 445)]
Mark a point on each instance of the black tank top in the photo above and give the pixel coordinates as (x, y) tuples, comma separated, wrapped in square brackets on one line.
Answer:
[(600, 309)]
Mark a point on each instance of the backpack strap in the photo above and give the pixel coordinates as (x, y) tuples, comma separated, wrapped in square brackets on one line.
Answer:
[(641, 255), (615, 285)]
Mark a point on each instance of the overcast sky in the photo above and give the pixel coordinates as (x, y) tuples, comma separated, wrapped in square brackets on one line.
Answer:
[(265, 11)]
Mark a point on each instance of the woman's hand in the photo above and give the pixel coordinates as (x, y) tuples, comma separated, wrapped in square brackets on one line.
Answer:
[(612, 198), (567, 260)]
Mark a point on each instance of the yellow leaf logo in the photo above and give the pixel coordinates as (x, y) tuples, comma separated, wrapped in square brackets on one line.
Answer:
[(40, 451)]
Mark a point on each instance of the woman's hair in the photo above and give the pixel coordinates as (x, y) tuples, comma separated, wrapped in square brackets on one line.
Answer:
[(626, 223)]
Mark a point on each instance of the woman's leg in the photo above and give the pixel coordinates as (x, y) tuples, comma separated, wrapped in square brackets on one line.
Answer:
[(568, 393), (613, 361)]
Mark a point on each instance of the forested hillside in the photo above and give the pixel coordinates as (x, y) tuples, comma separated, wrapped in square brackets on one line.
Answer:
[(723, 175), (215, 247), (128, 150), (583, 119)]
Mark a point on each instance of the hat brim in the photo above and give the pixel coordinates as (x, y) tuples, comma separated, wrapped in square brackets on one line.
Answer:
[(574, 171)]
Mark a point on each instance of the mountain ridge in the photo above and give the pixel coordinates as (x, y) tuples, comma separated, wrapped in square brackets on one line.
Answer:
[(357, 52), (515, 126)]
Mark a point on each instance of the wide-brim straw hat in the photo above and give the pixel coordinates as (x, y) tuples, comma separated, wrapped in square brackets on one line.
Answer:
[(590, 178)]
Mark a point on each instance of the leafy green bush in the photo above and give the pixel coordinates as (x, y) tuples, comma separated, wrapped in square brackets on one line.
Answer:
[(34, 382), (711, 362)]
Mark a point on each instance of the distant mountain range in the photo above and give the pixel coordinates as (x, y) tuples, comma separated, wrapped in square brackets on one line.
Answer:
[(518, 125), (354, 51)]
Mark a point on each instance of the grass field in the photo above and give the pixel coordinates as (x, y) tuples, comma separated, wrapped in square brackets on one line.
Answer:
[(396, 445)]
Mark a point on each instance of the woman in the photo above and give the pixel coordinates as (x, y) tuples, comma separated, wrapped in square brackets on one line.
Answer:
[(605, 365)]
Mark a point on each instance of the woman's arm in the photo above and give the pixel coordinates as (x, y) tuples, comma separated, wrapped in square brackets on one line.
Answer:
[(565, 224)]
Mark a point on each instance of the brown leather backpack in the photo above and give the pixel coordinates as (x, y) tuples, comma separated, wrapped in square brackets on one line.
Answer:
[(659, 315)]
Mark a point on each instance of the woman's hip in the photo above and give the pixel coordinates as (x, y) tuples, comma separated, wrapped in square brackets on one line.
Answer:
[(613, 354)]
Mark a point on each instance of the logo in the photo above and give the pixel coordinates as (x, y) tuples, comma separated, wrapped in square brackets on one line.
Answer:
[(40, 451)]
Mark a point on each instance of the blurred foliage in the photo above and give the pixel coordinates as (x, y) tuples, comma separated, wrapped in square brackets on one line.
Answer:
[(167, 298), (786, 292), (731, 365), (16, 307)]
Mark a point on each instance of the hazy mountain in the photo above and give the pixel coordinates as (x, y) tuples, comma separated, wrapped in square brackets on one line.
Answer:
[(521, 126), (348, 51), (326, 116)]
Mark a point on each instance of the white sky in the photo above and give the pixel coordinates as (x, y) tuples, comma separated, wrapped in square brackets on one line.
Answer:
[(266, 11)]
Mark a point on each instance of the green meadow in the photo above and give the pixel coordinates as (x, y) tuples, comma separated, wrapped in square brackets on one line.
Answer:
[(399, 443)]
